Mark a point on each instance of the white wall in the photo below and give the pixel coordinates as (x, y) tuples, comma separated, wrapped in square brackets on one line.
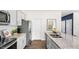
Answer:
[(76, 23), (43, 16)]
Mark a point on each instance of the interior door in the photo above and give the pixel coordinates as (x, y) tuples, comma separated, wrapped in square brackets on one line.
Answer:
[(36, 28)]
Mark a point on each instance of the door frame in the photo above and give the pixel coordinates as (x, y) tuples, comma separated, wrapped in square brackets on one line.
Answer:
[(67, 17)]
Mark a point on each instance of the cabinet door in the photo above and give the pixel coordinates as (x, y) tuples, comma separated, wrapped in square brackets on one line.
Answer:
[(48, 43), (19, 18), (12, 17), (51, 44), (54, 45), (22, 15), (21, 42)]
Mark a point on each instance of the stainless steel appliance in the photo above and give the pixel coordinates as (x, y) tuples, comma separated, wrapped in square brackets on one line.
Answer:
[(6, 42), (4, 17), (26, 28), (2, 37)]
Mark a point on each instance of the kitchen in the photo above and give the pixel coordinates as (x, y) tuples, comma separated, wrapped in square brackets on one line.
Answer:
[(11, 34), (39, 29), (26, 29)]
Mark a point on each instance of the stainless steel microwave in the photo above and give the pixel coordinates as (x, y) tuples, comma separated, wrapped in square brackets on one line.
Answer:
[(4, 17)]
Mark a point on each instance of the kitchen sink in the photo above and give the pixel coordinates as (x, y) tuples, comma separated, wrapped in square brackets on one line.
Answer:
[(55, 36)]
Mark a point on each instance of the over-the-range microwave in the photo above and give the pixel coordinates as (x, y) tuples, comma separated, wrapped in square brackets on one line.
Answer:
[(4, 17)]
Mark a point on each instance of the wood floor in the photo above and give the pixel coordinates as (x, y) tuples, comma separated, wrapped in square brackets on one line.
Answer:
[(37, 44)]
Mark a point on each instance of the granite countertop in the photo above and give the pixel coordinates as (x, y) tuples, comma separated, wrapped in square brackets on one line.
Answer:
[(66, 42), (17, 35)]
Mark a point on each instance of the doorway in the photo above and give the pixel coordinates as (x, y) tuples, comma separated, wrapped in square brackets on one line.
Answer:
[(67, 24), (36, 29)]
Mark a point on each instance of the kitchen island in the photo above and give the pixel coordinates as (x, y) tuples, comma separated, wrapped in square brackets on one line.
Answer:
[(66, 41)]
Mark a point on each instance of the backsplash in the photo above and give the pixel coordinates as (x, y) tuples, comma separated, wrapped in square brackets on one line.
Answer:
[(7, 27)]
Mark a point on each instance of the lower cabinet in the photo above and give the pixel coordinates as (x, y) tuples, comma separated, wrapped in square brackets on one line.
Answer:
[(51, 44), (21, 42)]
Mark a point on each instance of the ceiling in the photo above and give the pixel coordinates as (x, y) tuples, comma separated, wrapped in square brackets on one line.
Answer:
[(66, 12), (63, 12)]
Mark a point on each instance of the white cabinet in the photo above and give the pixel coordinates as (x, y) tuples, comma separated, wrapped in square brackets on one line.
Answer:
[(20, 16), (21, 41), (13, 17), (51, 44)]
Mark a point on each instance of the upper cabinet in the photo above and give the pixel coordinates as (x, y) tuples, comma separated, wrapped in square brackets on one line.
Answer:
[(13, 17), (20, 16), (16, 17)]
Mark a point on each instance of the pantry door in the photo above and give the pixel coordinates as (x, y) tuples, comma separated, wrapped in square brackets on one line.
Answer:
[(36, 29)]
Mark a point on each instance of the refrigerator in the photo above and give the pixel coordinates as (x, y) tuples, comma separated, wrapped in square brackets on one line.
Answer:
[(26, 28)]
